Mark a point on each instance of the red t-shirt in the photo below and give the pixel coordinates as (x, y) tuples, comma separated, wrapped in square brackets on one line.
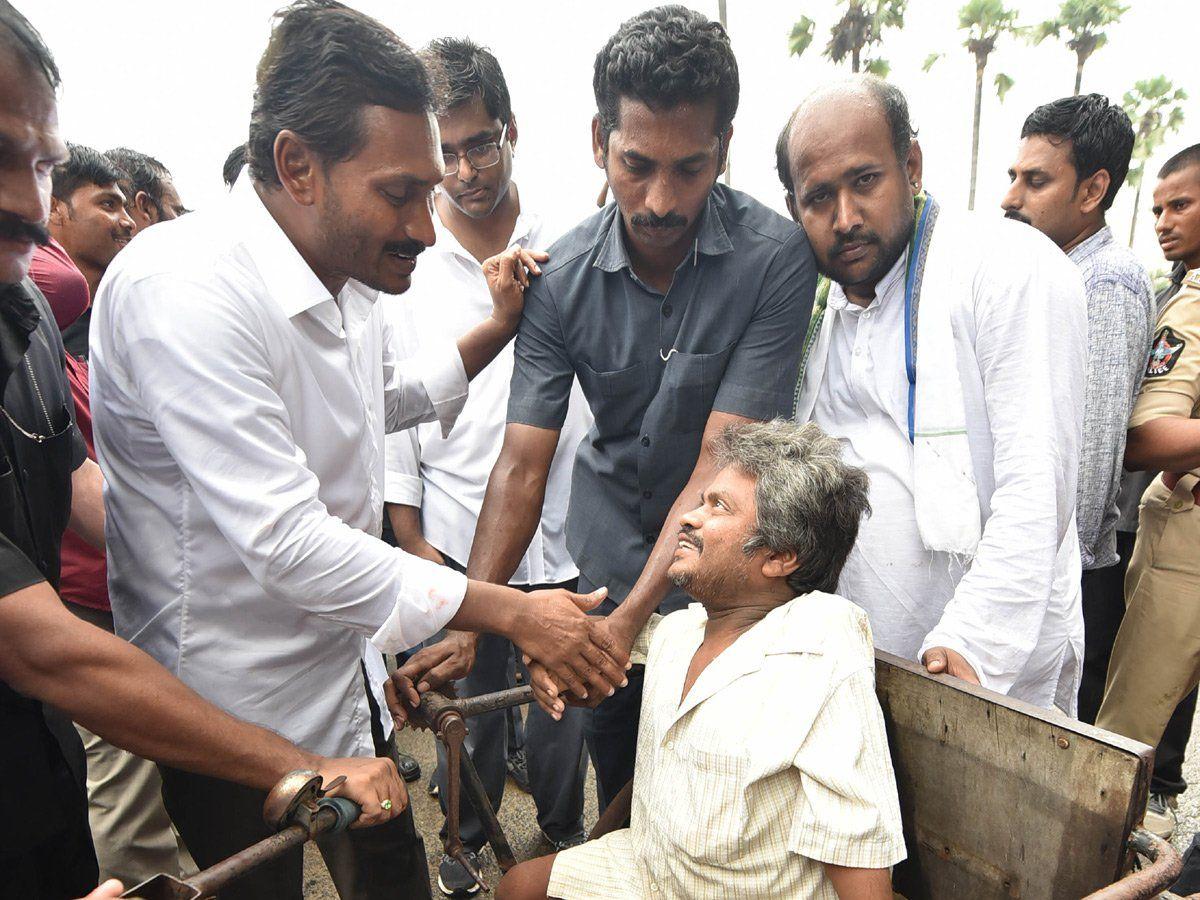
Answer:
[(84, 576)]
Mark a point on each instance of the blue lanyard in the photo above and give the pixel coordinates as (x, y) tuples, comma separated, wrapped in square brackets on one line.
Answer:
[(910, 313)]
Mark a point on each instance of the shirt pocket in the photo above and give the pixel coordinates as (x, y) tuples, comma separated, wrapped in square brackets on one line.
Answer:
[(708, 821), (692, 381), (618, 399)]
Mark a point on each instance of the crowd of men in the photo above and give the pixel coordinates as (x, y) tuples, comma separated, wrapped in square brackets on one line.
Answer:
[(679, 467)]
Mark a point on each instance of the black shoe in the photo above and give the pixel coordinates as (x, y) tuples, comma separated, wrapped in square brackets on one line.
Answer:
[(410, 769), (454, 880), (518, 769), (566, 844), (432, 786)]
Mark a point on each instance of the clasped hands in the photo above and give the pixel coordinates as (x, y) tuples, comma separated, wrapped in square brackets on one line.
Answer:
[(572, 657)]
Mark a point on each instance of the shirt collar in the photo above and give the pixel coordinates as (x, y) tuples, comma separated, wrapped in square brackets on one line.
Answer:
[(286, 276), (711, 238), (523, 231), (1086, 248)]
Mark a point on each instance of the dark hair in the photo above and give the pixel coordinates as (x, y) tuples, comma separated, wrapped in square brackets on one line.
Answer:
[(323, 64), (233, 165), (467, 71), (1189, 156), (21, 37), (140, 173), (891, 102), (664, 57), (1100, 133), (83, 166)]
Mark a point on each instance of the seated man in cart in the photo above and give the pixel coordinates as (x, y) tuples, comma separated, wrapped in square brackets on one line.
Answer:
[(762, 763)]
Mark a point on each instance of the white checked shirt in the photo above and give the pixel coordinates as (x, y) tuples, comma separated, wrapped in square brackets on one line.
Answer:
[(239, 413), (446, 476), (775, 762)]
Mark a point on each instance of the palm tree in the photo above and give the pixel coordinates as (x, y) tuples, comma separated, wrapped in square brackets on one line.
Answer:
[(1155, 106), (1082, 20), (984, 21), (859, 29)]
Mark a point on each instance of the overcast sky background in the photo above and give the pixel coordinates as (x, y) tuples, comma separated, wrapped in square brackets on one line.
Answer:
[(175, 80)]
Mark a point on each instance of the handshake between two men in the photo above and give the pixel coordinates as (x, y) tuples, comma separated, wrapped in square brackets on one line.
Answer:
[(569, 655)]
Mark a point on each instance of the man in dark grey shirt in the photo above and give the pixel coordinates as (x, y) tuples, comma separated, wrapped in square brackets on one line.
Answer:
[(681, 308)]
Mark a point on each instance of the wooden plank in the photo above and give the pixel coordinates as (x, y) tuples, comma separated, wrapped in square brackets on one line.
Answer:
[(1002, 799)]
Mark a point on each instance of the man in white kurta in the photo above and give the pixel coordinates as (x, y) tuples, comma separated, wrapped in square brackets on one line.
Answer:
[(971, 437), (762, 762)]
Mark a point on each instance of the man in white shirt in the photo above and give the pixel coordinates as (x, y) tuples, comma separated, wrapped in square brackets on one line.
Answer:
[(243, 378), (967, 417), (435, 484), (762, 762)]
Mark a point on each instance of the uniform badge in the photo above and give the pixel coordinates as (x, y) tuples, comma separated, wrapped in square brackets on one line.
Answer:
[(1164, 353)]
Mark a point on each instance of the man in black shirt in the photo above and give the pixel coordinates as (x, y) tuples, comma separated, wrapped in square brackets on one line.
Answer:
[(47, 654)]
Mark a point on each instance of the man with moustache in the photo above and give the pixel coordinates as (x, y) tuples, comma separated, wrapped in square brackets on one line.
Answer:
[(46, 654), (762, 761), (1071, 162), (87, 212), (1153, 664), (243, 377), (680, 308), (435, 483), (930, 361)]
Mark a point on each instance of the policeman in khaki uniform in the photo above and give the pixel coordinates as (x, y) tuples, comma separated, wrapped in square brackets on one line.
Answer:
[(1156, 659)]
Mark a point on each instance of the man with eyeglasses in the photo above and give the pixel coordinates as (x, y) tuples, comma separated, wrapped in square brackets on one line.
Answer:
[(435, 486)]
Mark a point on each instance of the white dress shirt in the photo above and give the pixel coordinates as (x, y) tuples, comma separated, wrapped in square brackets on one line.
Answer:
[(239, 413), (446, 476), (774, 763), (1020, 336)]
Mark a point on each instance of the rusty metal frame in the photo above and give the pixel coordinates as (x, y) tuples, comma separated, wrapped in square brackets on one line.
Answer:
[(446, 718), (1148, 882)]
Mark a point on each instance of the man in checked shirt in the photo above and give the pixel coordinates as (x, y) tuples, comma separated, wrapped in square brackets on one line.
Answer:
[(746, 786)]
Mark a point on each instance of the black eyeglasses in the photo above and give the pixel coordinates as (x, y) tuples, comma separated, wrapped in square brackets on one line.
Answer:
[(481, 156)]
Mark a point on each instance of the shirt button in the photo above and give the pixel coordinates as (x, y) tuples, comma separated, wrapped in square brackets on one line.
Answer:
[(667, 310), (646, 440), (858, 351), (670, 745), (646, 495), (1178, 504), (653, 888)]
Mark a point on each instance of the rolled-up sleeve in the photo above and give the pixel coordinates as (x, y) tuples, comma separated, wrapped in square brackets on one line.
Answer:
[(540, 391), (215, 406), (760, 379), (849, 813), (427, 383)]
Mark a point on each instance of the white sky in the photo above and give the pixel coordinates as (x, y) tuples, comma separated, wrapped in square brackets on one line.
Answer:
[(175, 80)]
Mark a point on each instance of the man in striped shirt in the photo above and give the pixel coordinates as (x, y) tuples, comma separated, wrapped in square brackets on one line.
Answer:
[(762, 763)]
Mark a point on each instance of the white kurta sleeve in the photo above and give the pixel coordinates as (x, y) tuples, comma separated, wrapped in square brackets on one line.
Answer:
[(402, 449), (1030, 320), (203, 372), (430, 383)]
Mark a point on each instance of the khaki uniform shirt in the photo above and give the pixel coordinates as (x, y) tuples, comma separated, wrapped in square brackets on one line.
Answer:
[(775, 762), (1172, 383)]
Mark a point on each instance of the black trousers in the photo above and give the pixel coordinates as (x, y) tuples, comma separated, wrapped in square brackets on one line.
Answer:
[(1103, 609), (217, 818)]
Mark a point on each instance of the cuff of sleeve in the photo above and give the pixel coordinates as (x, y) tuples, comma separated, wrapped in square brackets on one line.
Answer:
[(404, 490), (430, 596), (939, 638), (641, 644), (445, 381), (753, 403)]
